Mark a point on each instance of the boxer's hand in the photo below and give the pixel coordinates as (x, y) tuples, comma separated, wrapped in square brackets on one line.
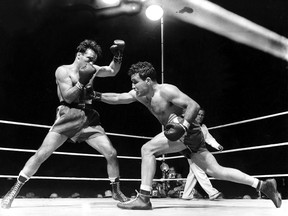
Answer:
[(97, 96), (86, 72), (117, 50), (174, 131), (92, 95)]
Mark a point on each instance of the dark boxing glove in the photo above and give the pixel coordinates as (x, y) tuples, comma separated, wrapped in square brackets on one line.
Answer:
[(117, 50), (86, 72), (175, 130), (91, 94), (186, 153)]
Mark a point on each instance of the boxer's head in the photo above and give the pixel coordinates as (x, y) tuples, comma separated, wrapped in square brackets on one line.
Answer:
[(90, 50)]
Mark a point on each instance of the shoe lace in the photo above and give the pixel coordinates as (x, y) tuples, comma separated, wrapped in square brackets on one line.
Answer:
[(13, 192), (132, 200), (137, 193), (117, 192), (121, 195)]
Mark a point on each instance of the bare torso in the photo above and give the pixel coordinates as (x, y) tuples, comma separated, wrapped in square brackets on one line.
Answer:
[(69, 77), (159, 106)]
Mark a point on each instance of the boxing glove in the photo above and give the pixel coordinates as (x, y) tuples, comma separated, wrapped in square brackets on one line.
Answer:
[(86, 72), (117, 50), (91, 94), (175, 130), (186, 153)]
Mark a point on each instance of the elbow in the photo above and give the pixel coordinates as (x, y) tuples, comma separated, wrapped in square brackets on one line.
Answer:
[(114, 70), (111, 74), (114, 73), (197, 107)]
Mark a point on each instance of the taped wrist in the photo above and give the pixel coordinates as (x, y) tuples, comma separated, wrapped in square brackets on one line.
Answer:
[(79, 85), (118, 58), (186, 123), (97, 96)]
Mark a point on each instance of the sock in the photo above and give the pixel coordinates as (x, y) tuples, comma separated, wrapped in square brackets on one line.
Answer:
[(145, 191), (259, 185), (114, 179), (255, 183), (22, 177), (145, 187), (145, 195), (115, 184)]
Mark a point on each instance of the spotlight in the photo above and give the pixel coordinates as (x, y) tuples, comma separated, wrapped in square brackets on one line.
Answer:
[(111, 2), (154, 12)]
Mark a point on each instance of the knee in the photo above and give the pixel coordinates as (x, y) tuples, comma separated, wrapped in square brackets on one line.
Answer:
[(146, 150), (210, 173), (111, 154), (216, 173)]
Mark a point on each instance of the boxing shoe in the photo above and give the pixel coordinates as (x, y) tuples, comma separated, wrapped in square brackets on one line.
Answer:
[(188, 197), (269, 188), (218, 195), (10, 196), (117, 193), (139, 203)]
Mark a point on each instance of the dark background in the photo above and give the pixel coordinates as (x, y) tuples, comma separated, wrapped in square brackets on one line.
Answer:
[(232, 81)]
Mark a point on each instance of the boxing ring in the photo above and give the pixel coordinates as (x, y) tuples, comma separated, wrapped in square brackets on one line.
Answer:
[(161, 206), (206, 16)]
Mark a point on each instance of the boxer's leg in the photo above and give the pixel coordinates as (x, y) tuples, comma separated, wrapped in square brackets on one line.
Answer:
[(51, 142), (103, 145)]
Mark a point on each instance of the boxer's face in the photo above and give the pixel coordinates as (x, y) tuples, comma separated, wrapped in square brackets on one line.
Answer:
[(88, 57), (140, 86)]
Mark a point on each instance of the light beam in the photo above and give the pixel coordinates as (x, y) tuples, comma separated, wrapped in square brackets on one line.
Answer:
[(212, 17)]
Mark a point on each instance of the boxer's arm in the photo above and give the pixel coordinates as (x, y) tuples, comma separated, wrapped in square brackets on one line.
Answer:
[(118, 98), (178, 98), (117, 50), (107, 71), (175, 130), (65, 86)]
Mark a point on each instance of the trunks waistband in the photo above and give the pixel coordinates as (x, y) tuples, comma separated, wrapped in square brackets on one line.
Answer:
[(76, 105)]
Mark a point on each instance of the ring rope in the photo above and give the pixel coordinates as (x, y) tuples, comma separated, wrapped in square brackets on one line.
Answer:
[(68, 178), (248, 120), (129, 157), (145, 137), (47, 126), (65, 153), (125, 179), (235, 150), (159, 158), (254, 147)]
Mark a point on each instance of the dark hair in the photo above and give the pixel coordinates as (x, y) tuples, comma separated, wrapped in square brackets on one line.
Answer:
[(89, 44), (144, 69)]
